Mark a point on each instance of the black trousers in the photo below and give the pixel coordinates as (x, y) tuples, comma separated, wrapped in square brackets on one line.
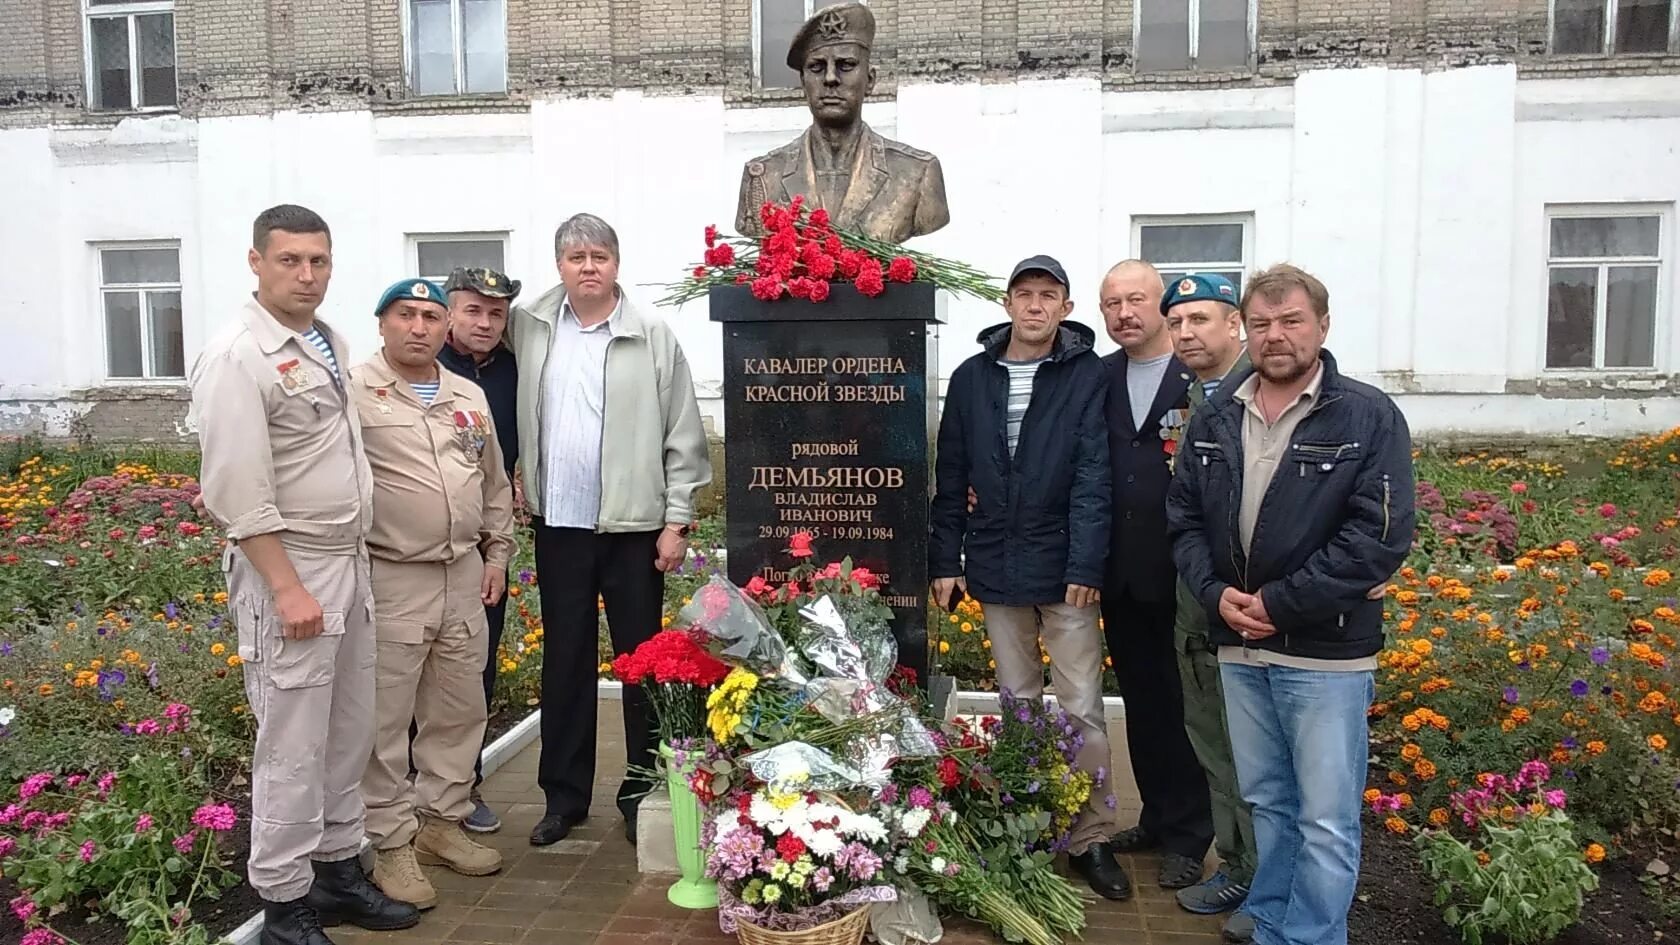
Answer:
[(1176, 805), (496, 615), (574, 567)]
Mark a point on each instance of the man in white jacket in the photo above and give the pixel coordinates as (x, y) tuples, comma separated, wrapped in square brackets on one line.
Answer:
[(613, 452)]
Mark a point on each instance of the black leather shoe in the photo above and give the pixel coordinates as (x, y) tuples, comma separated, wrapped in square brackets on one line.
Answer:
[(1134, 840), (1179, 871), (1102, 871), (342, 893), (553, 828), (291, 923)]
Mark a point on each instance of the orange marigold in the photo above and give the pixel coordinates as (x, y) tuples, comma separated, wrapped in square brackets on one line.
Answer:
[(1657, 742), (1425, 769), (1395, 825), (1411, 752), (1439, 817), (1594, 853)]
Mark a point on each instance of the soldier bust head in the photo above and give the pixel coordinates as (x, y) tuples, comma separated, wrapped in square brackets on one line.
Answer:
[(831, 54), (869, 184)]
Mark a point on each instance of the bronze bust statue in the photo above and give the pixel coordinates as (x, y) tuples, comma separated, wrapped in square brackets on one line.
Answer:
[(881, 188)]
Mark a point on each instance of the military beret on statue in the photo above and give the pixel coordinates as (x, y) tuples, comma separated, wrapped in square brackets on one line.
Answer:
[(832, 26), (418, 290), (486, 282)]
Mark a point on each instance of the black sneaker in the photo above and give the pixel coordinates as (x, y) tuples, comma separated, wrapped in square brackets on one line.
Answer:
[(1179, 871), (1218, 893)]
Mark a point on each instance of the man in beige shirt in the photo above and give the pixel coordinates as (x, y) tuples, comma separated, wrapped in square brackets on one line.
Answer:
[(284, 475), (440, 543)]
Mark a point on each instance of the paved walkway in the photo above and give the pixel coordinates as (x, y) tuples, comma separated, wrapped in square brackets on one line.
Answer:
[(586, 889)]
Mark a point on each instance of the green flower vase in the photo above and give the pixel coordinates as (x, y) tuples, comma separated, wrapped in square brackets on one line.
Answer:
[(694, 890)]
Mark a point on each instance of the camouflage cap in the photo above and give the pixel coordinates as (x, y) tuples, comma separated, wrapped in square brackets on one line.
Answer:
[(831, 26), (486, 282)]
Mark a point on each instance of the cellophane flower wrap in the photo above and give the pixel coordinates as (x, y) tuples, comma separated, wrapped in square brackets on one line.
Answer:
[(790, 859), (676, 673)]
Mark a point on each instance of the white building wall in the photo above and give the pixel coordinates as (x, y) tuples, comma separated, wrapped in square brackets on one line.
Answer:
[(1420, 198)]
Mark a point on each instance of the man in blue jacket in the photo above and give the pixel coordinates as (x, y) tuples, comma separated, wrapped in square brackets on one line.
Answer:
[(1291, 499), (1024, 427)]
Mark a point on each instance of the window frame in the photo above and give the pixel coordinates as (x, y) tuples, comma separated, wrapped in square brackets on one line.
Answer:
[(1601, 295), (1195, 29), (1609, 48), (413, 241), (1243, 218), (758, 46), (130, 12), (147, 344), (457, 31)]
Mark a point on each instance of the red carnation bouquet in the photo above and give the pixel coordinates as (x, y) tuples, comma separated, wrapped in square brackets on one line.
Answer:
[(802, 254), (677, 675)]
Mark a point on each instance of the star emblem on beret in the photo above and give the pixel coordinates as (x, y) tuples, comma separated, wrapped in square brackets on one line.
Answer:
[(1187, 285), (832, 25), (420, 291)]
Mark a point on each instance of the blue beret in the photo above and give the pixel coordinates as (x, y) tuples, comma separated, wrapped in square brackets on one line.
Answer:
[(1195, 287), (419, 289)]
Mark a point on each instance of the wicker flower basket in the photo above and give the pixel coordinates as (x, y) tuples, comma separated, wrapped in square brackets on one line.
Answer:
[(847, 930)]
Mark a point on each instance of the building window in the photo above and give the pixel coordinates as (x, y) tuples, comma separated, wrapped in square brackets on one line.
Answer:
[(1602, 274), (1205, 35), (774, 24), (1608, 27), (1178, 246), (131, 54), (435, 255), (140, 295), (457, 47)]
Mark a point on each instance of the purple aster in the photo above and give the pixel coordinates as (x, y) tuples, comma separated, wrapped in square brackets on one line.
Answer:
[(1578, 688), (525, 576), (1599, 655), (736, 852), (1511, 694), (5, 648), (171, 611), (1605, 690), (1569, 742), (1033, 787)]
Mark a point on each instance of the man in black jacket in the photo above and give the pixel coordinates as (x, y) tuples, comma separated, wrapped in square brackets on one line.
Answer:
[(1023, 426), (1292, 499), (1148, 403), (474, 349)]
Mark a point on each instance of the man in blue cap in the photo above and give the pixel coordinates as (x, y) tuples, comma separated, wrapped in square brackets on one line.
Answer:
[(476, 348), (441, 538), (1031, 549), (1206, 330)]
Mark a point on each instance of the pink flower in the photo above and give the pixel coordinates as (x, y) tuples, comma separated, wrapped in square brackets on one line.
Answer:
[(148, 727), (32, 820), (10, 814), (42, 937), (75, 780), (105, 781), (87, 851), (217, 817), (177, 710), (184, 843), (1555, 798), (147, 531), (1519, 487), (7, 845), (23, 907), (1608, 510), (33, 785), (55, 821), (143, 823)]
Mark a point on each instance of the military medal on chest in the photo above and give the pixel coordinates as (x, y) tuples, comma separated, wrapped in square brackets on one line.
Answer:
[(384, 396), (469, 430), (293, 375)]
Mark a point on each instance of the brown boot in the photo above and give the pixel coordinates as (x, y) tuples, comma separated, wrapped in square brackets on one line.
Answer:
[(397, 875), (444, 843)]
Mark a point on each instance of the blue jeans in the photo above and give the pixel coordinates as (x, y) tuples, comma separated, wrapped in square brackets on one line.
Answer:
[(1299, 740)]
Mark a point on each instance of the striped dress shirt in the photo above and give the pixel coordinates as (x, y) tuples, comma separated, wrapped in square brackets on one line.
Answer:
[(574, 387)]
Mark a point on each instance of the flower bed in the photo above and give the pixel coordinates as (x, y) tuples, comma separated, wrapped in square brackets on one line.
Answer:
[(1536, 623)]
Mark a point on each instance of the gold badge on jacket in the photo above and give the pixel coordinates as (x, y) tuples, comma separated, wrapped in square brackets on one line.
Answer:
[(293, 375)]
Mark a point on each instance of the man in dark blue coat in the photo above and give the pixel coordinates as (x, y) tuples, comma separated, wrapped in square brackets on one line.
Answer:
[(478, 312), (1292, 499), (1148, 405), (1023, 427)]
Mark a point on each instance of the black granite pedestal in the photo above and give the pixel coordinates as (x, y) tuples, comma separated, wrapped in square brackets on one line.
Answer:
[(830, 411)]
